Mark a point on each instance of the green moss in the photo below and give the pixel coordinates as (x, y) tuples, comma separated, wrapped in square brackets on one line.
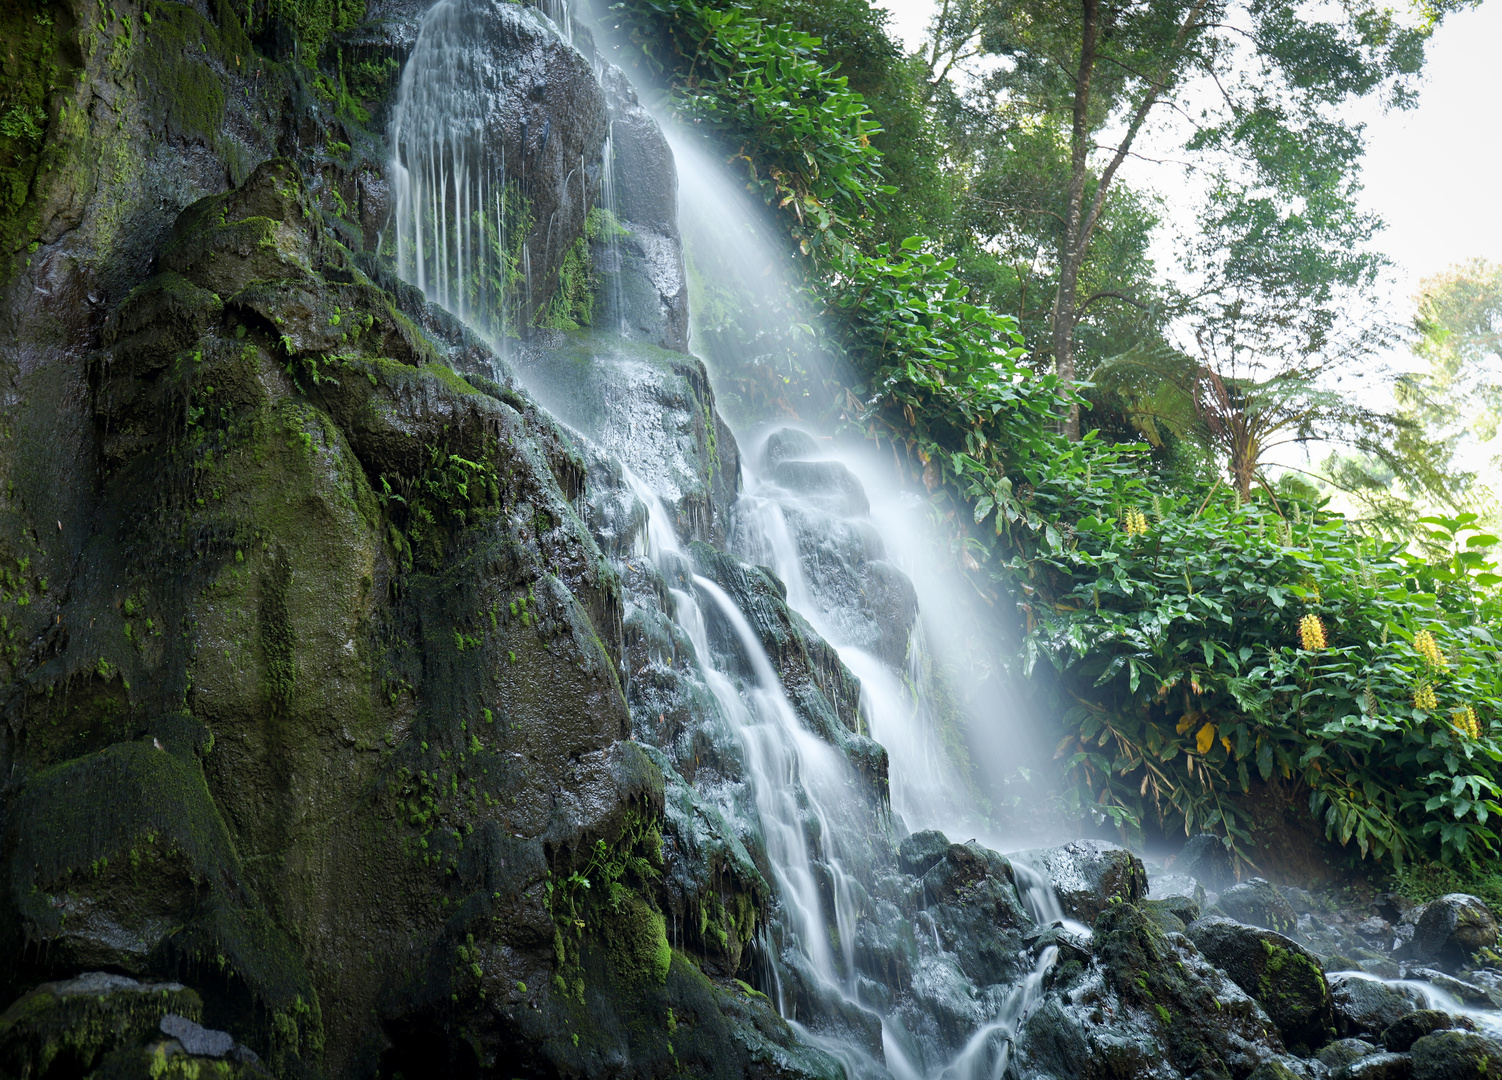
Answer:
[(75, 1029), (75, 828), (572, 303), (37, 125)]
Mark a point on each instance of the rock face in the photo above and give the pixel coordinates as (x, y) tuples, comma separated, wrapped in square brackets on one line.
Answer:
[(1366, 1006), (1449, 930), (639, 255), (1284, 979), (1090, 875)]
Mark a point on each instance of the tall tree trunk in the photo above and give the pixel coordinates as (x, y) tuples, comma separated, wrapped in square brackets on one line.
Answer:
[(1075, 240)]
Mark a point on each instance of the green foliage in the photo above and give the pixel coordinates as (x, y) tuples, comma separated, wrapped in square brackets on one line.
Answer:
[(572, 304), (1179, 648), (446, 494)]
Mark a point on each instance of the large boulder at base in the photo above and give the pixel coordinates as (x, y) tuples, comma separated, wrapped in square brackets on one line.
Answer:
[(1377, 1067), (1206, 859), (65, 1028), (1456, 1055), (1367, 1006), (1451, 929), (1273, 1070), (1344, 1051), (1411, 1027), (1259, 903), (1284, 978), (1089, 875)]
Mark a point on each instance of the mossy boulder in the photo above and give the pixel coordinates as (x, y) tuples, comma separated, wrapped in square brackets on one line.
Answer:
[(1456, 1055), (1204, 1022), (1403, 1032), (1367, 1006), (66, 1028), (1449, 931), (1284, 978)]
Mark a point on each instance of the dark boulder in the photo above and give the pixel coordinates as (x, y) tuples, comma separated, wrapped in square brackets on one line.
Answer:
[(1206, 859), (1384, 1066), (788, 444), (1273, 1070), (1410, 1027), (1366, 1006), (1344, 1051), (1451, 929), (972, 896), (920, 852), (828, 485), (1089, 875), (1284, 978), (1259, 903), (1456, 1055)]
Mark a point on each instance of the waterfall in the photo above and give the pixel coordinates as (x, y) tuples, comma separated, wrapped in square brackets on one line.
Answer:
[(824, 825), (448, 174)]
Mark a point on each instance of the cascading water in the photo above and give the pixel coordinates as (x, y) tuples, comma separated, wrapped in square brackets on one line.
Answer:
[(448, 178), (821, 819)]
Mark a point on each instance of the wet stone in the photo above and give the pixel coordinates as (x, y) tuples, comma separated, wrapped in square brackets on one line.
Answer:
[(1365, 1006), (1456, 1055), (788, 444), (197, 1039), (1410, 1027), (1376, 1067), (1344, 1051), (1280, 974), (1089, 875), (1205, 858), (920, 852), (1259, 903), (829, 484), (1451, 929)]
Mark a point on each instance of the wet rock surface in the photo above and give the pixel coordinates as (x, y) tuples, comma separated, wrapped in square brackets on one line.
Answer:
[(1281, 975), (1090, 875)]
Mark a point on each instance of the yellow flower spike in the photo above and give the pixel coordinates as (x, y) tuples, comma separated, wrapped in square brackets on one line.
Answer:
[(1425, 645), (1465, 722), (1423, 697), (1311, 633)]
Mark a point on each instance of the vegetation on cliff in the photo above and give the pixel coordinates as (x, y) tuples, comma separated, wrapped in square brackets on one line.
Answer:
[(1170, 589)]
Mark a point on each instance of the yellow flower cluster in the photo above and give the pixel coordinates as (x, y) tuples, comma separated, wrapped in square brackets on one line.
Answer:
[(1425, 645), (1466, 723), (1423, 697), (1134, 521), (1311, 633)]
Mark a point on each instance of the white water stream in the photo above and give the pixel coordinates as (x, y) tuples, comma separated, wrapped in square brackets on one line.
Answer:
[(815, 818)]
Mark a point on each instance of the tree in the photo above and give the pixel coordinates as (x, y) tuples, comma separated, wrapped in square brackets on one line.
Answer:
[(1247, 93), (1458, 399)]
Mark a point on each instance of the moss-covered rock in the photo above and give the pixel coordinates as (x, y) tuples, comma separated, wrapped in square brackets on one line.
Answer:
[(66, 1028), (1456, 1055), (1285, 979)]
